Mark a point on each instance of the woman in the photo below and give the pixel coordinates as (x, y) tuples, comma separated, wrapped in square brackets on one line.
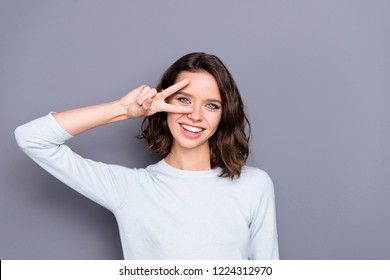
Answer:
[(200, 201)]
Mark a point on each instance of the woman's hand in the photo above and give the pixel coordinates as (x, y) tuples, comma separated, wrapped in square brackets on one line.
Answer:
[(145, 101)]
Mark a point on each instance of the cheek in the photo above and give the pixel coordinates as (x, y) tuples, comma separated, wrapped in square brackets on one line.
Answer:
[(217, 119), (171, 120), (214, 121)]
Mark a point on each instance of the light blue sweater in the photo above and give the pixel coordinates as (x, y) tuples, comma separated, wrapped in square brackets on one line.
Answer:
[(164, 212)]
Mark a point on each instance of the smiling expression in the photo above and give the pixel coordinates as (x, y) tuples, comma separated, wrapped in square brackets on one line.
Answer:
[(192, 131)]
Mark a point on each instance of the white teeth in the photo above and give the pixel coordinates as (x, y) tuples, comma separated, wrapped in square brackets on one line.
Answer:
[(191, 128)]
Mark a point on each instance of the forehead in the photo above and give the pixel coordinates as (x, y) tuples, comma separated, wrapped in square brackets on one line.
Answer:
[(202, 84)]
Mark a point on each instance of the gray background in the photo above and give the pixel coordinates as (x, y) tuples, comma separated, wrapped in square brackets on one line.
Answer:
[(315, 77)]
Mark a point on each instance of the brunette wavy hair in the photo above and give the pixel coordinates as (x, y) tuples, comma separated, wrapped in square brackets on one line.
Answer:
[(229, 145)]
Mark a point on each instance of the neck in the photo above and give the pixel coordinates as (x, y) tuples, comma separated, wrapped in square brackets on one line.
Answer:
[(189, 159)]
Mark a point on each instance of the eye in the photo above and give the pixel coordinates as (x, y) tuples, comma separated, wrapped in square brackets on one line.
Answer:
[(184, 100), (212, 106)]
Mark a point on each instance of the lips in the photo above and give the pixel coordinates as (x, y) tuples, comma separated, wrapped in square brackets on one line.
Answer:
[(190, 130)]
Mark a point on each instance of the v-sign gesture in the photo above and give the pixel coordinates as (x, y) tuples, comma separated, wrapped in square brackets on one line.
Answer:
[(145, 101)]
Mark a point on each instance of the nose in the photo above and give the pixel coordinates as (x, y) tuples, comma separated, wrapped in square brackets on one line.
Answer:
[(196, 114)]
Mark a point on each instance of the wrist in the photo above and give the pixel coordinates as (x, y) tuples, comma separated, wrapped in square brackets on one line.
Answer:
[(120, 111)]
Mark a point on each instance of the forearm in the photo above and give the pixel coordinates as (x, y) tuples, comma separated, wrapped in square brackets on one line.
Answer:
[(78, 120)]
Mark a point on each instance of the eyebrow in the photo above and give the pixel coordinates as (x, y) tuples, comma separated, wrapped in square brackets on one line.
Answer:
[(190, 95)]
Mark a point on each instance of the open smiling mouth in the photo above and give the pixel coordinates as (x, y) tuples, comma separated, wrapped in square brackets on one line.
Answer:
[(191, 129)]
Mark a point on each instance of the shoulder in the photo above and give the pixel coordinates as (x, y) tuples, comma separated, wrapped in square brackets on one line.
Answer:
[(254, 173), (257, 178)]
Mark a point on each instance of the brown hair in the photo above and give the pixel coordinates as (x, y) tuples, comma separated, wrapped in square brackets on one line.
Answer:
[(229, 144)]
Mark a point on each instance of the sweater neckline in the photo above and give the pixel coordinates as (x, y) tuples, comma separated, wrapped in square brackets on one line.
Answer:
[(195, 173)]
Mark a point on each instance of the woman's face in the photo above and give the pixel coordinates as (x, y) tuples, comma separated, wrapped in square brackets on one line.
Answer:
[(192, 131)]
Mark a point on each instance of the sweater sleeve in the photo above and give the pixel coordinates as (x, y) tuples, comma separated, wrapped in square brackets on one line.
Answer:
[(263, 232), (42, 140)]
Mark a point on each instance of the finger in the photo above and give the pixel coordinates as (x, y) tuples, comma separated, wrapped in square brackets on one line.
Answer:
[(149, 95), (174, 88), (147, 103), (178, 109), (141, 95), (139, 89)]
